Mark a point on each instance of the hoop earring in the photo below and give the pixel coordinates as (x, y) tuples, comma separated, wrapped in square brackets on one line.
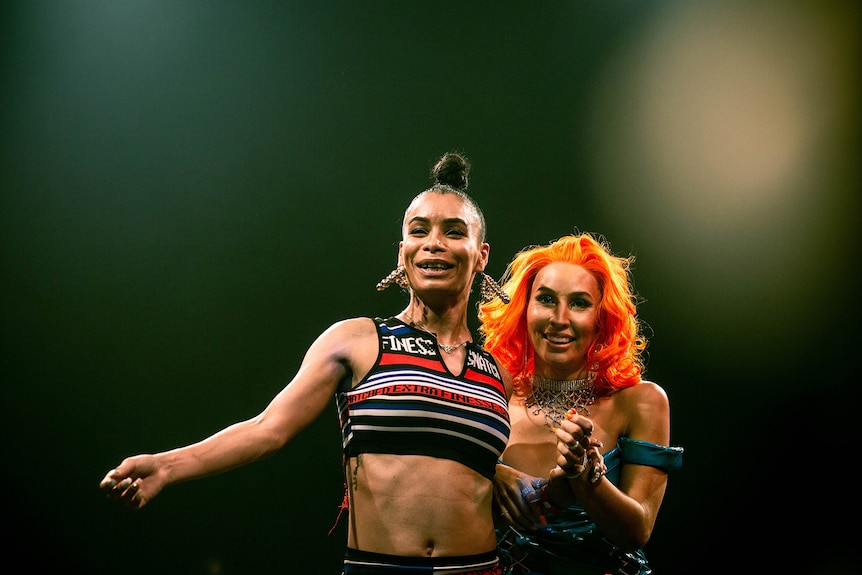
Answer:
[(396, 276), (489, 289)]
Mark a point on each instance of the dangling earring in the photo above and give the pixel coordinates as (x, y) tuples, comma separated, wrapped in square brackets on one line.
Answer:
[(594, 366), (489, 289), (397, 276)]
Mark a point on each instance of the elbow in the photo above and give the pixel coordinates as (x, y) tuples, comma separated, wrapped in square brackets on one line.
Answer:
[(634, 538), (269, 447), (629, 534), (268, 439), (639, 540), (633, 532)]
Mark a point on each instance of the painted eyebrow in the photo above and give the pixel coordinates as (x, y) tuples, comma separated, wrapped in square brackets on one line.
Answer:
[(448, 221), (544, 289)]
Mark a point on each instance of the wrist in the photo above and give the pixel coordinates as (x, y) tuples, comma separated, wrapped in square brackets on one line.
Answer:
[(577, 470), (545, 499)]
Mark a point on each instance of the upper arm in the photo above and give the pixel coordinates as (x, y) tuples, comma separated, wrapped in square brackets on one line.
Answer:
[(648, 413), (339, 352)]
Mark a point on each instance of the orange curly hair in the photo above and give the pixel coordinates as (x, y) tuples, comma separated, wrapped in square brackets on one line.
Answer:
[(619, 344)]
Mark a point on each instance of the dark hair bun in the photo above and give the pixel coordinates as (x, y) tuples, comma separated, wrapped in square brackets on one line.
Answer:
[(452, 170)]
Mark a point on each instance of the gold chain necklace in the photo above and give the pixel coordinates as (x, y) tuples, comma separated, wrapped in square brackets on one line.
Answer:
[(451, 348), (553, 397), (444, 346)]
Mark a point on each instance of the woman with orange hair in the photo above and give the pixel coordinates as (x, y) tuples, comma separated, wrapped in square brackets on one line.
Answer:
[(581, 481)]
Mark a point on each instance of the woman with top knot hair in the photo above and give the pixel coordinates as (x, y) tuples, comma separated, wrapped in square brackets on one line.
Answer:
[(422, 407)]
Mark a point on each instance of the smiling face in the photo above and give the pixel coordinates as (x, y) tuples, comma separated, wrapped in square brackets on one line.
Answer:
[(561, 319), (441, 249)]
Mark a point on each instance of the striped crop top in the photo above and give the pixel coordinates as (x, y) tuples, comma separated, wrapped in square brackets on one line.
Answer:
[(409, 403)]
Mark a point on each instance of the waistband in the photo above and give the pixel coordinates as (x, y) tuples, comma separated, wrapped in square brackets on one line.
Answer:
[(358, 562)]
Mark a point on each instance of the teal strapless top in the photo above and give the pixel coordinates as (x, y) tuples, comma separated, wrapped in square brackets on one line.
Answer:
[(570, 543), (643, 453)]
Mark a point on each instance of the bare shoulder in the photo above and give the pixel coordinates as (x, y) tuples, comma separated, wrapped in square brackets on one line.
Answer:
[(646, 391), (346, 335), (351, 343), (646, 399), (352, 327), (646, 410)]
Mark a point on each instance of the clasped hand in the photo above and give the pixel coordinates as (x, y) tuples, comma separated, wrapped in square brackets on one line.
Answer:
[(577, 450), (523, 500)]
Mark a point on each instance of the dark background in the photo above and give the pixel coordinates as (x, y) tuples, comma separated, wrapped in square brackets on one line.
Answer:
[(193, 191)]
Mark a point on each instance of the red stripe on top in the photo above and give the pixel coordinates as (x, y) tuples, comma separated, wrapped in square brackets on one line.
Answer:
[(396, 359), (474, 375)]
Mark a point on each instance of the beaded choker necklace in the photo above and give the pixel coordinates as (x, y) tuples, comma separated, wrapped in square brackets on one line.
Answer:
[(553, 398)]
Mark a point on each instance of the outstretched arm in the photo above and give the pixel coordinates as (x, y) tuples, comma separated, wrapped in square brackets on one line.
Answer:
[(138, 479)]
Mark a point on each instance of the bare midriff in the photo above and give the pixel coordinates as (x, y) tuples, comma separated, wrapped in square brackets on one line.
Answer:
[(418, 506)]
